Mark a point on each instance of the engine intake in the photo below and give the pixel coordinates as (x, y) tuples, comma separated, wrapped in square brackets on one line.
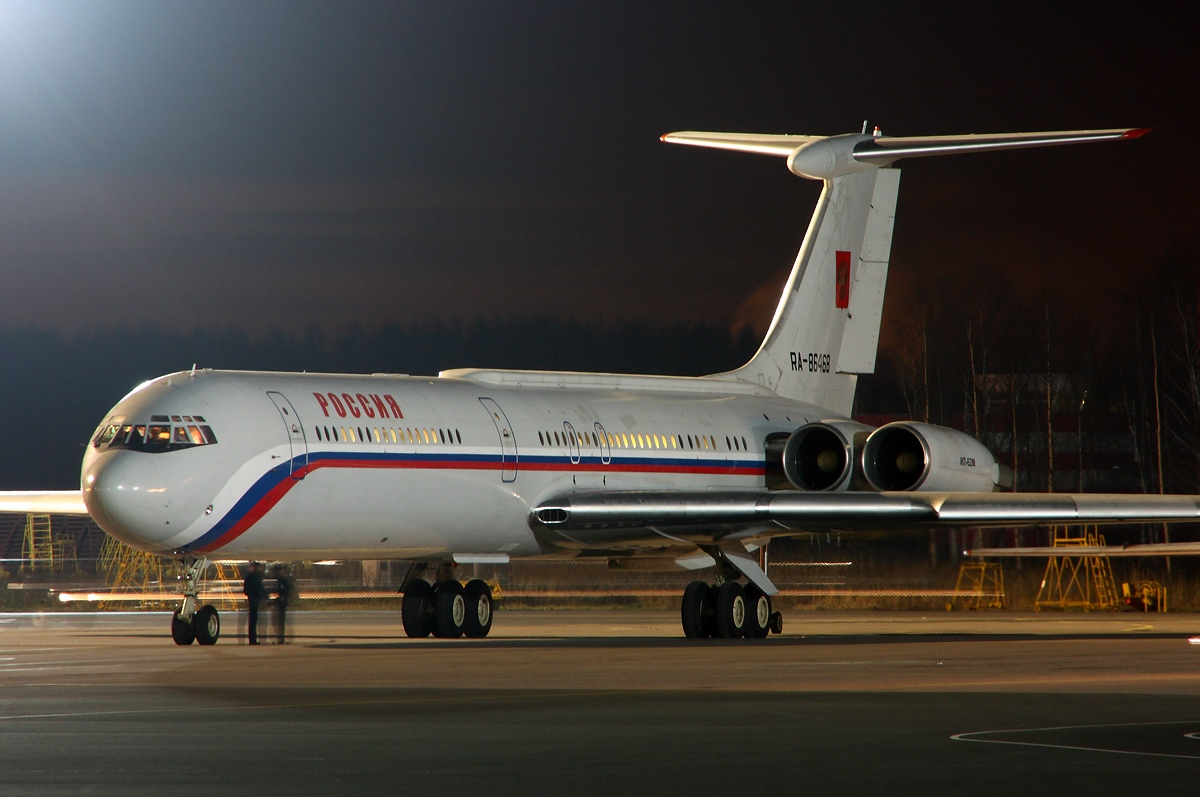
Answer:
[(821, 456), (920, 456)]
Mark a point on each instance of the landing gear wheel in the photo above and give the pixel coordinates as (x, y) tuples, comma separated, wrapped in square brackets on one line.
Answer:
[(477, 596), (758, 612), (449, 610), (776, 623), (207, 625), (183, 632), (696, 611), (731, 610), (416, 610)]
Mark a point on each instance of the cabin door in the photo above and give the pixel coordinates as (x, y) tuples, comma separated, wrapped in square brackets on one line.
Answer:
[(508, 441), (295, 431)]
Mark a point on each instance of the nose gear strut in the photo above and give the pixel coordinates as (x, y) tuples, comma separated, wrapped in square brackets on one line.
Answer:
[(189, 623)]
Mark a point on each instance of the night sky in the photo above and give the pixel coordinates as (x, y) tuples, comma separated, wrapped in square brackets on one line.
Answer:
[(284, 165), (271, 169)]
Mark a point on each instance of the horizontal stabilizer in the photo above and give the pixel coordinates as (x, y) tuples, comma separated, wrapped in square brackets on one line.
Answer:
[(824, 157), (887, 149), (759, 143)]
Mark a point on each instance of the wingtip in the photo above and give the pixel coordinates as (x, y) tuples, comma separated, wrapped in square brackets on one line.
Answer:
[(1136, 132), (663, 137)]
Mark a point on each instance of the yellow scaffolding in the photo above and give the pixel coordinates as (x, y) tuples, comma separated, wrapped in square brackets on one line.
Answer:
[(41, 551), (1077, 582), (980, 585), (225, 588), (127, 569)]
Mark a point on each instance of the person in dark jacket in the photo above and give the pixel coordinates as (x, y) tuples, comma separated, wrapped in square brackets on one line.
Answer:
[(283, 594), (255, 594)]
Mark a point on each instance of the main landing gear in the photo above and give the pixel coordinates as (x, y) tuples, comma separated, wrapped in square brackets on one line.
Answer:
[(728, 611), (190, 624), (448, 609)]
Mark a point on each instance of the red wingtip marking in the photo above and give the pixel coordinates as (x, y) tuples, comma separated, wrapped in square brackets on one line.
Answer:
[(1137, 132)]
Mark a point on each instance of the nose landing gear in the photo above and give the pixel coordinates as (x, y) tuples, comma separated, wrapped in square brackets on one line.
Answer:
[(190, 624)]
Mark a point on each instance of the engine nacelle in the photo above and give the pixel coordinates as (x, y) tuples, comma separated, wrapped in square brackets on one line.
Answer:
[(822, 456), (919, 456)]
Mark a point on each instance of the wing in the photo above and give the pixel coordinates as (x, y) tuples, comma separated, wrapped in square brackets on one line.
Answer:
[(1106, 551), (43, 502), (609, 519)]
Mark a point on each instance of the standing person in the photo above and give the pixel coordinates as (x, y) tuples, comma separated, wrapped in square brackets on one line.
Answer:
[(255, 594), (283, 594)]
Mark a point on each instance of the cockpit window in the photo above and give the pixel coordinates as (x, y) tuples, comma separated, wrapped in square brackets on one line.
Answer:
[(159, 435)]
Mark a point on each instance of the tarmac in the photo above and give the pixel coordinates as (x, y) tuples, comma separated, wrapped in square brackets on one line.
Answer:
[(605, 702)]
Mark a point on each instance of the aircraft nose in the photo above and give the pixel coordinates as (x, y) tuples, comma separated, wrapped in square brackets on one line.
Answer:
[(126, 493)]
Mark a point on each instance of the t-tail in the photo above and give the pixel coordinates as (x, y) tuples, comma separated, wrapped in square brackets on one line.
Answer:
[(826, 327)]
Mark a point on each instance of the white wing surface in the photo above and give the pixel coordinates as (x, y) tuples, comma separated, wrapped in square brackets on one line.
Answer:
[(589, 519), (43, 502)]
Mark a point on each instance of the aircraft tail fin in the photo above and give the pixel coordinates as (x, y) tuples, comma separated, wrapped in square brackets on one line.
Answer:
[(826, 327)]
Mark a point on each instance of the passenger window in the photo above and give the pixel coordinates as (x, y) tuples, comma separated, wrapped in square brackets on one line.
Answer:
[(442, 435), (744, 446), (457, 436), (195, 435)]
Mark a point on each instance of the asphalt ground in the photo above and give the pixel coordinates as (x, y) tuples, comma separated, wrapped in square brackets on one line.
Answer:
[(605, 702)]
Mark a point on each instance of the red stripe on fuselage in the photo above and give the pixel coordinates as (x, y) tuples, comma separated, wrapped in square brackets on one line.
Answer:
[(276, 493)]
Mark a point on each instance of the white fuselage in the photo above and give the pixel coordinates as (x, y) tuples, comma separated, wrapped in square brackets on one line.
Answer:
[(314, 466)]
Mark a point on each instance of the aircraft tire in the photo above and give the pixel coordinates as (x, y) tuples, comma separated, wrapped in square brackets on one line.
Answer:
[(758, 612), (416, 610), (731, 611), (478, 597), (449, 610), (207, 625), (693, 610), (183, 632)]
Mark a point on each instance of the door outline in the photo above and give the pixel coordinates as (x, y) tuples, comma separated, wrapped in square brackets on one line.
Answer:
[(573, 446), (297, 442), (605, 450), (508, 439)]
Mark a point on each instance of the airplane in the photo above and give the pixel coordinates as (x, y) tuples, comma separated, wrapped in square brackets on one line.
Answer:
[(648, 472)]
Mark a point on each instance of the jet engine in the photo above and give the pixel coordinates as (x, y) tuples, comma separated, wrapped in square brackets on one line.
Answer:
[(919, 456), (821, 456)]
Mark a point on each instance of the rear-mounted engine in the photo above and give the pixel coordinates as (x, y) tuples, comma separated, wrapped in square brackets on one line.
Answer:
[(822, 456), (919, 456)]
